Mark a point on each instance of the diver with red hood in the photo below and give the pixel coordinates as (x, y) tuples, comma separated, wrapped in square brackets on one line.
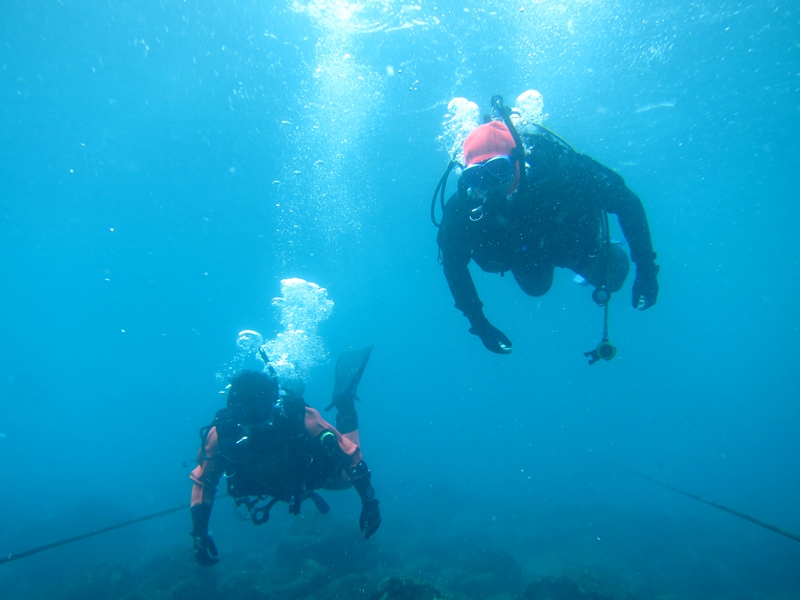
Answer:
[(527, 204)]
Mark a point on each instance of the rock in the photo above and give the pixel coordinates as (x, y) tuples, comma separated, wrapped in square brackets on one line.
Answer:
[(397, 588), (579, 587)]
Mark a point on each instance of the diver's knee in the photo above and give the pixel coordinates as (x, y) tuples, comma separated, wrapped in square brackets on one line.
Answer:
[(618, 266), (534, 283)]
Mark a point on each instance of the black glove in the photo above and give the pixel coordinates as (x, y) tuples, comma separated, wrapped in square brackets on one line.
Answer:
[(645, 285), (494, 339), (370, 518), (205, 550)]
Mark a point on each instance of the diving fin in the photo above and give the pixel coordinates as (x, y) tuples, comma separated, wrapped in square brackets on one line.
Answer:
[(349, 369)]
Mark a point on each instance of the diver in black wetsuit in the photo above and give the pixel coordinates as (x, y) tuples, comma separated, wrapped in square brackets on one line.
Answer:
[(272, 447), (553, 213)]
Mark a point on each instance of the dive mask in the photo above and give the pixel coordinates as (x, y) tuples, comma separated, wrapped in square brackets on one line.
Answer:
[(499, 169)]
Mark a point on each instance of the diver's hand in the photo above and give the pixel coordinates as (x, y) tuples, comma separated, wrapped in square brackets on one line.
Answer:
[(370, 518), (494, 339), (645, 285), (205, 550)]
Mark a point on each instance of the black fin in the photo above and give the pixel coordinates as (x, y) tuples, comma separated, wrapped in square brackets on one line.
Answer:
[(349, 369)]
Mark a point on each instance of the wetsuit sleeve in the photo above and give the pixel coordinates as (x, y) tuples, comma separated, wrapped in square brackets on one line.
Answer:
[(210, 468), (454, 244), (354, 471), (348, 444), (619, 200)]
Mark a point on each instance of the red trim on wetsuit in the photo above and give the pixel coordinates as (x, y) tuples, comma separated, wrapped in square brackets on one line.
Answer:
[(207, 473)]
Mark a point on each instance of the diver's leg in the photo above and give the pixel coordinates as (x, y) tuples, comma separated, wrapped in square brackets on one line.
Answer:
[(618, 266), (535, 279), (349, 369), (594, 270), (346, 417)]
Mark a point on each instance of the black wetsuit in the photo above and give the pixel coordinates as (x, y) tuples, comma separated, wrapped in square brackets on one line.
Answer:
[(557, 221)]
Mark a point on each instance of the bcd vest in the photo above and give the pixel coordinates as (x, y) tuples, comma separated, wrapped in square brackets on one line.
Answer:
[(275, 458)]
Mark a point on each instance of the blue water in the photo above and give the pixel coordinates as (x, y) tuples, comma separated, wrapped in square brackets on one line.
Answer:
[(165, 165)]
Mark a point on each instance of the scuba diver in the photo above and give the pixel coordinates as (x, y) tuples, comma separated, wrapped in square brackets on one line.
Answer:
[(528, 204), (272, 447)]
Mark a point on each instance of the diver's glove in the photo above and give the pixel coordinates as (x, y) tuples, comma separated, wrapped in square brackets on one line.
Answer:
[(370, 518), (494, 339), (645, 285), (205, 550)]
